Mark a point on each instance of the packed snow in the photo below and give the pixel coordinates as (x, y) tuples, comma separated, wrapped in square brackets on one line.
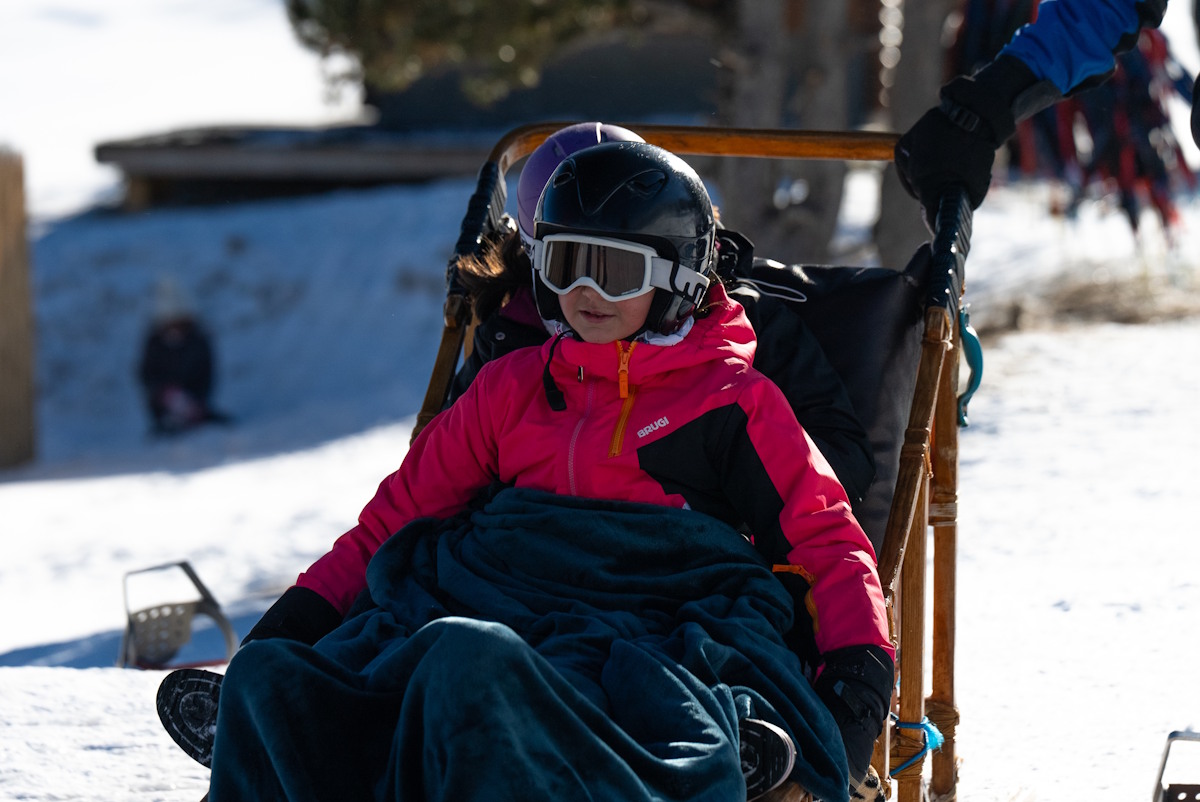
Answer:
[(1079, 544)]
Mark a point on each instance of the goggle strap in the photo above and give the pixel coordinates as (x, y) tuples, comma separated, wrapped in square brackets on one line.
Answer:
[(677, 279)]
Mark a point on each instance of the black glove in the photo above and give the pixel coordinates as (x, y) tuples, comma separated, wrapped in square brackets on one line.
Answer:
[(299, 614), (935, 154), (956, 142), (856, 685)]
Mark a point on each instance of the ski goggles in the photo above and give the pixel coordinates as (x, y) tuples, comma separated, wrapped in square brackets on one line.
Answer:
[(617, 269)]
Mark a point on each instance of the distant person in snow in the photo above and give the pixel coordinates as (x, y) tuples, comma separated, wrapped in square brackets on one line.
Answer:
[(1068, 48), (549, 598), (176, 366)]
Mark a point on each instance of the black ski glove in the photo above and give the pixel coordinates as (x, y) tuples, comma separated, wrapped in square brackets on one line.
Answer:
[(956, 142), (856, 686), (299, 614)]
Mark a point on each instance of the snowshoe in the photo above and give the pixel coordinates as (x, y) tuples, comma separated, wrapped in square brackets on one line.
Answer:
[(158, 629), (1175, 791), (767, 755)]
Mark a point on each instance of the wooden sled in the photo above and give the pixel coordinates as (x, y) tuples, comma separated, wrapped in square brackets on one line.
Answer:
[(904, 386)]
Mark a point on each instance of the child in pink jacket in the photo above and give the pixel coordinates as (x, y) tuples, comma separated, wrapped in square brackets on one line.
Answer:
[(645, 396)]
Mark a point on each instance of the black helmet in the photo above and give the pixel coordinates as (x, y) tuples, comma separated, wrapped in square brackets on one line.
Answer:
[(640, 193)]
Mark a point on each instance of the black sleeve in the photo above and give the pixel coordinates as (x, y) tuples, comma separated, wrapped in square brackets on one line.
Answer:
[(712, 463), (494, 337), (788, 353), (299, 614)]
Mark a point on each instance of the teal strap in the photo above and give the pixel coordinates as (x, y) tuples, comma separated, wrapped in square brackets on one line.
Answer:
[(933, 740), (973, 351)]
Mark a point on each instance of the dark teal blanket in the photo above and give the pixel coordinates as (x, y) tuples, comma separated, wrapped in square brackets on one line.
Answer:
[(652, 630)]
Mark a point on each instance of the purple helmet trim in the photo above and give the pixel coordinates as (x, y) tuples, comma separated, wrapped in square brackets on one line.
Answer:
[(548, 155)]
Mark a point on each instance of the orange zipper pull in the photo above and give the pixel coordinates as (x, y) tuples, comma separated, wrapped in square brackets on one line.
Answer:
[(623, 368)]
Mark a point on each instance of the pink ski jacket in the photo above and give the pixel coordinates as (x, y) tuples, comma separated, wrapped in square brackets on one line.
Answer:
[(689, 425)]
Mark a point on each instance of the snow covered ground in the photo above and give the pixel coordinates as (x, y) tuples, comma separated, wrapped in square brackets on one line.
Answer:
[(1079, 537)]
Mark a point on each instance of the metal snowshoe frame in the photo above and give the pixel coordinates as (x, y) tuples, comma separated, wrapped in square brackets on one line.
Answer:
[(1175, 792), (154, 635), (923, 511)]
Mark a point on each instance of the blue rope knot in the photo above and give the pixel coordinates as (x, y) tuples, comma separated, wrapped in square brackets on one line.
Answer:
[(933, 740)]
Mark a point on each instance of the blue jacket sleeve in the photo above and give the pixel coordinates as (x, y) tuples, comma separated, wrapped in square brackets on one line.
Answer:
[(1074, 40)]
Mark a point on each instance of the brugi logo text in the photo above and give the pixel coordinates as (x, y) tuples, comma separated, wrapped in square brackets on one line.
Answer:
[(658, 424)]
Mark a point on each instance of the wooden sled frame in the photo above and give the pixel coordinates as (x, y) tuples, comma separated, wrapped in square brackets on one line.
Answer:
[(925, 499)]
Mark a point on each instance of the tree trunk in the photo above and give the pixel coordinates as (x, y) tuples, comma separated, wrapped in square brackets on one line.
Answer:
[(784, 72), (918, 76), (16, 319), (820, 55), (751, 96)]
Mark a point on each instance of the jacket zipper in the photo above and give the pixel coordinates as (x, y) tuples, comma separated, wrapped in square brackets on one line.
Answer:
[(627, 394), (587, 411)]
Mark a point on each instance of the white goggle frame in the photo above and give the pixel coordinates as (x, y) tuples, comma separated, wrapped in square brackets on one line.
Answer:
[(656, 271)]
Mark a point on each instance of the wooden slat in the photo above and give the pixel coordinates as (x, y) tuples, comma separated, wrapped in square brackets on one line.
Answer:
[(456, 312), (941, 707), (914, 453), (907, 743), (744, 142)]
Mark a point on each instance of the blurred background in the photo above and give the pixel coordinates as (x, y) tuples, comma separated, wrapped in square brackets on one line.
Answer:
[(117, 119)]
